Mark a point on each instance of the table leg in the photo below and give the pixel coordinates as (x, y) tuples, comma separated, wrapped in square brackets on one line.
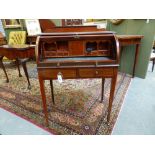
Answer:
[(153, 62), (17, 64), (102, 90), (2, 65), (112, 91), (42, 90), (26, 73), (135, 60), (120, 62), (52, 92)]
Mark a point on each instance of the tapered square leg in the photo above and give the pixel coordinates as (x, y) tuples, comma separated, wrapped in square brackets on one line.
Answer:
[(112, 91), (42, 90)]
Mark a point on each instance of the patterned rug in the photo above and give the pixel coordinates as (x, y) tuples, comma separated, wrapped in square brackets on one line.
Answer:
[(77, 109)]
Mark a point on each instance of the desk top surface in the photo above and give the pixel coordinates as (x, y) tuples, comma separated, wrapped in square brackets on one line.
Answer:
[(129, 36), (78, 59), (76, 33), (103, 32)]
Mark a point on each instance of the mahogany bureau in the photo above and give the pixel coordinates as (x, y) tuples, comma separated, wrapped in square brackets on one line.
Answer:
[(77, 55)]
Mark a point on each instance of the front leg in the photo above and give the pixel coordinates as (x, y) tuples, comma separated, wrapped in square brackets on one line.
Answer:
[(43, 95), (112, 91)]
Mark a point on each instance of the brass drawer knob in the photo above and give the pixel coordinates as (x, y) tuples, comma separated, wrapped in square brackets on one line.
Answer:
[(96, 72)]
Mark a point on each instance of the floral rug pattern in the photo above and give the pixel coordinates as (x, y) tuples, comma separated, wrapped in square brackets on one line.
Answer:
[(77, 109)]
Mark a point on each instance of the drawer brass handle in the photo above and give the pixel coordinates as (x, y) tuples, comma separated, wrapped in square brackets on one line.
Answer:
[(59, 73), (96, 72)]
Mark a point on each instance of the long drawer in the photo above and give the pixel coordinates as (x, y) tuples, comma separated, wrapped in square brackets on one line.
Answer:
[(52, 73), (95, 72)]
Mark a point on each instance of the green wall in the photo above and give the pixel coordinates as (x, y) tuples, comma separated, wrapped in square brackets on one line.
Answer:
[(139, 27)]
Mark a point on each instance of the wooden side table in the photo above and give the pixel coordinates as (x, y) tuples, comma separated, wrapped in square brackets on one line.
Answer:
[(21, 53), (126, 40)]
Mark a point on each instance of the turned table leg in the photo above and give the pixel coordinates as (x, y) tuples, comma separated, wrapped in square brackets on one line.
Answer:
[(2, 65), (52, 92), (18, 67), (23, 62), (43, 95)]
